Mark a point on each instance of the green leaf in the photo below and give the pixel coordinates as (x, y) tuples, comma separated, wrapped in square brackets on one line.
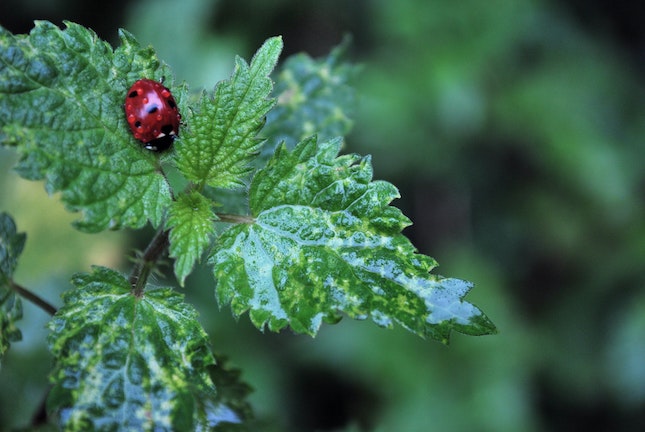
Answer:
[(314, 96), (326, 241), (61, 104), (11, 245), (128, 363), (221, 142), (232, 391), (190, 221)]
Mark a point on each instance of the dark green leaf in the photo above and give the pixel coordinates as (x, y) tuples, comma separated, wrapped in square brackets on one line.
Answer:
[(61, 104), (325, 240), (221, 142), (231, 390), (128, 363), (11, 245), (191, 223)]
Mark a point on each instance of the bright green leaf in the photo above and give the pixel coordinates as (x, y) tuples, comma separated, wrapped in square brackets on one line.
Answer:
[(61, 104), (220, 143), (314, 96), (11, 245), (190, 221), (325, 240), (128, 363)]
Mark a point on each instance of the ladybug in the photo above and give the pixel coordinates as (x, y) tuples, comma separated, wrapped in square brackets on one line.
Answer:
[(152, 114)]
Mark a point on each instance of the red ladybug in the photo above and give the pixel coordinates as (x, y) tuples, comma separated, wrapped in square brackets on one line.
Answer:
[(152, 114)]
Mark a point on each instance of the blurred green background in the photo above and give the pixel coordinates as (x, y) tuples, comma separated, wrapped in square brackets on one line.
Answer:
[(515, 131)]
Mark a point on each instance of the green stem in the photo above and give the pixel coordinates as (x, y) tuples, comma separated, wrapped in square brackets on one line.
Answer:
[(35, 299), (233, 218), (143, 267)]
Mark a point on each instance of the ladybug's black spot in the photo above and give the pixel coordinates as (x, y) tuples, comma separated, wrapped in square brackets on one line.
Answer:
[(153, 109), (172, 104), (133, 93), (160, 144), (166, 129), (137, 124)]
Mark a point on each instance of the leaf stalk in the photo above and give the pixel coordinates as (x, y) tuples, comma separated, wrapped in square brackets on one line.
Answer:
[(34, 298), (234, 218), (143, 267)]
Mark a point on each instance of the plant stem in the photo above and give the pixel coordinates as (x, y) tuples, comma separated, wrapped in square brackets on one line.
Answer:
[(158, 245), (143, 266), (34, 298), (233, 218)]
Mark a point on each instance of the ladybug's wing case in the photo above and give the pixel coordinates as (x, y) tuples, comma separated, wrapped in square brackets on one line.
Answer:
[(152, 114)]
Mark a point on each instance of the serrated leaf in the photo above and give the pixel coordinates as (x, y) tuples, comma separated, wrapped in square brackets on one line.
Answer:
[(221, 142), (314, 96), (10, 313), (11, 245), (61, 104), (191, 223), (325, 240), (128, 363)]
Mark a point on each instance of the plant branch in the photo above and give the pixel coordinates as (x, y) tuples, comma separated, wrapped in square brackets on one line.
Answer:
[(145, 264), (34, 298)]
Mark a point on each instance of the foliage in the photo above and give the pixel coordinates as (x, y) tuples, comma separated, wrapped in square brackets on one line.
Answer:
[(333, 244), (319, 237), (315, 96), (11, 245), (62, 96), (124, 362)]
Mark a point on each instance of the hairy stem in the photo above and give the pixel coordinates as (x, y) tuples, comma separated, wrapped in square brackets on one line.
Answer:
[(34, 298), (144, 265)]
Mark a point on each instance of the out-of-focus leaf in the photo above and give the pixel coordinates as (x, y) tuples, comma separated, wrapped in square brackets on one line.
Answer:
[(314, 96)]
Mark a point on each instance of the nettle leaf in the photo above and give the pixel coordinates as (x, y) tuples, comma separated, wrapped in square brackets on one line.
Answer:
[(61, 104), (220, 143), (129, 363), (325, 241), (314, 96), (191, 223), (11, 245)]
